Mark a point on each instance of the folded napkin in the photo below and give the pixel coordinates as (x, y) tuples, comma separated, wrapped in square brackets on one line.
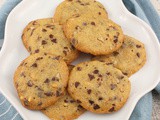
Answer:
[(141, 8)]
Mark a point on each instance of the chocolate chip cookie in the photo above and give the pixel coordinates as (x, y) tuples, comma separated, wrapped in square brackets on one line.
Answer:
[(98, 87), (41, 80), (44, 36), (72, 8), (66, 108), (129, 58), (93, 35)]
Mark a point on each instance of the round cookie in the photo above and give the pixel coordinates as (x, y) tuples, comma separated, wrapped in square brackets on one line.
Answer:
[(72, 8), (93, 35), (129, 58), (47, 37), (40, 80), (98, 87), (66, 108)]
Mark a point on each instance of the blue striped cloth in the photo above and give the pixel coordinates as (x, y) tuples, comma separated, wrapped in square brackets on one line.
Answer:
[(142, 8)]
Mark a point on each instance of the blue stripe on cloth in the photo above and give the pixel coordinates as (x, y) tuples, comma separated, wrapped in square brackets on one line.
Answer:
[(152, 16), (2, 98), (4, 11), (143, 110), (7, 111), (18, 117), (4, 107)]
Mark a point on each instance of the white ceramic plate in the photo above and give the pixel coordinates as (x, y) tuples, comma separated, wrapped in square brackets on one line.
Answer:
[(13, 52)]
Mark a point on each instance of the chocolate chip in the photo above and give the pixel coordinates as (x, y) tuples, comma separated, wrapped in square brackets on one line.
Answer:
[(91, 77), (65, 52), (96, 107), (89, 91), (111, 110), (138, 46), (51, 36), (44, 30), (40, 58), (34, 23), (65, 47), (34, 65), (57, 58), (79, 107), (72, 101), (74, 42), (138, 55), (91, 102), (125, 73), (79, 68), (78, 101), (77, 84), (100, 76), (93, 23), (58, 93), (37, 51), (115, 39), (55, 79), (44, 109), (44, 42), (32, 31), (26, 102), (115, 53), (47, 81), (96, 71), (109, 63), (48, 93), (50, 26), (39, 104), (66, 101), (54, 40), (76, 27), (84, 24), (100, 98), (99, 13), (108, 73), (29, 83), (113, 105), (121, 77), (22, 74), (113, 86), (82, 4)]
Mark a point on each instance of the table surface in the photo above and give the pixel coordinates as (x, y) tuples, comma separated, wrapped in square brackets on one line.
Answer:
[(156, 103)]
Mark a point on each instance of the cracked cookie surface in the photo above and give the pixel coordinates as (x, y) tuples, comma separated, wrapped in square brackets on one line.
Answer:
[(41, 80), (98, 87)]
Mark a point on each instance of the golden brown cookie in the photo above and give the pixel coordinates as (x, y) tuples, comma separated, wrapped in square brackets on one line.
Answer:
[(129, 58), (72, 8), (44, 36), (98, 87), (94, 35), (41, 80)]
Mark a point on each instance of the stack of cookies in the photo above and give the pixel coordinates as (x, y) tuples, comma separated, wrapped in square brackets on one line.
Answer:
[(47, 81)]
